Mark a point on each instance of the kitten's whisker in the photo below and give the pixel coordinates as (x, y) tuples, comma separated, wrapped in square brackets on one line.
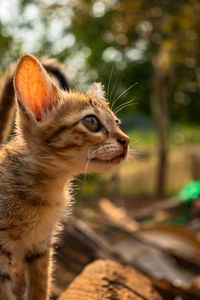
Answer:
[(122, 108), (124, 92), (136, 141), (86, 168), (132, 151), (112, 93), (123, 105), (117, 91), (109, 81), (95, 151), (89, 160), (74, 85), (131, 158), (77, 86)]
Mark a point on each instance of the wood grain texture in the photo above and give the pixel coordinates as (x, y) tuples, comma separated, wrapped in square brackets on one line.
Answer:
[(108, 280)]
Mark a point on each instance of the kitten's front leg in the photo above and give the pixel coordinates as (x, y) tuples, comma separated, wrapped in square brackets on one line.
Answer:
[(6, 292), (39, 269), (20, 283)]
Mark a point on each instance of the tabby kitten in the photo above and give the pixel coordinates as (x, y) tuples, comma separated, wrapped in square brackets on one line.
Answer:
[(59, 134)]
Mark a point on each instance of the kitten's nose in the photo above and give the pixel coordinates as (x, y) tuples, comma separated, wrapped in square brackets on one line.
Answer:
[(124, 140)]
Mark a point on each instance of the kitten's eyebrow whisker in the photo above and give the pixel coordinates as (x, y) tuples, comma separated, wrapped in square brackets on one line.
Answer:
[(124, 93), (77, 86), (123, 105), (109, 81), (121, 108), (112, 92), (117, 90), (74, 85)]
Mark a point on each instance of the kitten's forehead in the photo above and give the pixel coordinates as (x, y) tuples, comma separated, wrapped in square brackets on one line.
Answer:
[(85, 104)]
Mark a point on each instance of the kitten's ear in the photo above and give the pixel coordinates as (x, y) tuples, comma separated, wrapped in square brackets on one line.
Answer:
[(34, 89), (97, 90)]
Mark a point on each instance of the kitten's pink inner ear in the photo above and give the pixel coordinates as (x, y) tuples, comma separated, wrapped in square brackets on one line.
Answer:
[(33, 86)]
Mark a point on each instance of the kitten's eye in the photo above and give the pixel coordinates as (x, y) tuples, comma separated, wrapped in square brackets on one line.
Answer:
[(91, 123), (118, 123)]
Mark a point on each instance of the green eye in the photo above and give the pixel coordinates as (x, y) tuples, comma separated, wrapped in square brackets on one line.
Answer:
[(91, 123)]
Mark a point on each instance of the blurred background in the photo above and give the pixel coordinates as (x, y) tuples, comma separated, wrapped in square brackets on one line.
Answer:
[(146, 53)]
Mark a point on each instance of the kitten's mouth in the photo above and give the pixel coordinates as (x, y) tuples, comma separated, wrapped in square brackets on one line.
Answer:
[(115, 160)]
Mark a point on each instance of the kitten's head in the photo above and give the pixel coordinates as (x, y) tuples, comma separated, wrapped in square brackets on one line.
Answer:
[(74, 131)]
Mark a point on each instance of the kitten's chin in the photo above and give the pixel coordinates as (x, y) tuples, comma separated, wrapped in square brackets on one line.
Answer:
[(103, 165), (116, 160)]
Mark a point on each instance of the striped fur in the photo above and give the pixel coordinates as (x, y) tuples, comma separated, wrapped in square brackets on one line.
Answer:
[(51, 146)]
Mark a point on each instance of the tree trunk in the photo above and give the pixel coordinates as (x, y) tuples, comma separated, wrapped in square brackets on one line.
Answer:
[(159, 101), (162, 169)]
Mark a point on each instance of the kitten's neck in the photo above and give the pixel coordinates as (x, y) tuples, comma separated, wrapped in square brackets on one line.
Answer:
[(37, 174)]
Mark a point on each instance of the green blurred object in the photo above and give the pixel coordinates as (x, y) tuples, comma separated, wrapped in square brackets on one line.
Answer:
[(190, 192), (187, 196)]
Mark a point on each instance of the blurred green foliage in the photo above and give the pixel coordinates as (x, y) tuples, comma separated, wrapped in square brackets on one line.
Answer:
[(115, 42)]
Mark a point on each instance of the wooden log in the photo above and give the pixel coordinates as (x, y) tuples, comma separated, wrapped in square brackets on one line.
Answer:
[(106, 279), (118, 216), (86, 245), (171, 292), (187, 249), (80, 246), (169, 205)]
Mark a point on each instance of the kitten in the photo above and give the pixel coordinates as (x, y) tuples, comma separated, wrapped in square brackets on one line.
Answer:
[(59, 134)]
